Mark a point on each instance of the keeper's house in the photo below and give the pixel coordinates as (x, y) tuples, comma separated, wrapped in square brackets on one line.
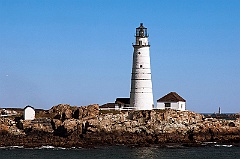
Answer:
[(171, 101)]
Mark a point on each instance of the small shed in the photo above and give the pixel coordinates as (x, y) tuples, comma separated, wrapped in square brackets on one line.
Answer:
[(29, 113), (171, 101), (122, 103)]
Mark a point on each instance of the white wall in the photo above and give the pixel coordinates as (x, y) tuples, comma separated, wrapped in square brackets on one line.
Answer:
[(29, 113), (160, 105), (182, 105), (174, 105), (141, 96)]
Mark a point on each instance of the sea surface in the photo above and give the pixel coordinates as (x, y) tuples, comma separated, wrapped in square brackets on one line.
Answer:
[(124, 152)]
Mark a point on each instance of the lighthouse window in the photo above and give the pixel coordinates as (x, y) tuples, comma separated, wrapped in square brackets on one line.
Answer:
[(140, 66), (139, 53)]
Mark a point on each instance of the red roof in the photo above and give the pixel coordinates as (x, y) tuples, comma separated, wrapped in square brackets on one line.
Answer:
[(171, 97)]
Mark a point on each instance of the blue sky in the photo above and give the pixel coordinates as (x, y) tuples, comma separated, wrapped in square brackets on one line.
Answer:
[(80, 52)]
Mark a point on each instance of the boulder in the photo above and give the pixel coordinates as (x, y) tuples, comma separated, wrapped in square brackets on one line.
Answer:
[(231, 124), (86, 112), (62, 111), (72, 125), (3, 129), (67, 127), (56, 123)]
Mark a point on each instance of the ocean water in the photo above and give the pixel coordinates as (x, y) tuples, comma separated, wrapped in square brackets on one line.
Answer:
[(124, 152)]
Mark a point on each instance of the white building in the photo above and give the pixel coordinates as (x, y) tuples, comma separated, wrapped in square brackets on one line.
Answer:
[(141, 96), (171, 101), (29, 113), (120, 104)]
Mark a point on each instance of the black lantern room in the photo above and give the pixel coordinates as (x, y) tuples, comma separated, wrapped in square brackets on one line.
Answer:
[(141, 31)]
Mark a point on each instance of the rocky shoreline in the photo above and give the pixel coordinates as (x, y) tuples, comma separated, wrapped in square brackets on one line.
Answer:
[(71, 126)]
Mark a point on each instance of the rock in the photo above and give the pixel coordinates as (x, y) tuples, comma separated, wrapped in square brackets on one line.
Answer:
[(72, 125), (68, 114), (3, 129), (127, 124), (8, 125), (61, 111), (56, 123), (90, 111), (231, 124), (85, 126), (39, 124)]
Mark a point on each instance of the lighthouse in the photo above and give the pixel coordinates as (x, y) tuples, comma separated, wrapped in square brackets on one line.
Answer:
[(141, 96)]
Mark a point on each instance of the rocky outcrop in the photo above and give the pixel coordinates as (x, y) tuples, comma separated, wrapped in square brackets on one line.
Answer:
[(40, 124), (81, 126), (86, 112), (62, 111), (9, 126), (65, 111), (67, 127)]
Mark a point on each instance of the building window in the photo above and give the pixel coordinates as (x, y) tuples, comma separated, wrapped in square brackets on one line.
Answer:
[(140, 66), (139, 53), (167, 105)]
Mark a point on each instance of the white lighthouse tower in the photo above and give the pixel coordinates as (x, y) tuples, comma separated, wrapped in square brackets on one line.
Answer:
[(141, 96)]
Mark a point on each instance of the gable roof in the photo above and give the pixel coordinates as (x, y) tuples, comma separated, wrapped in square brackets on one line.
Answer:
[(171, 97), (28, 107), (122, 101)]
